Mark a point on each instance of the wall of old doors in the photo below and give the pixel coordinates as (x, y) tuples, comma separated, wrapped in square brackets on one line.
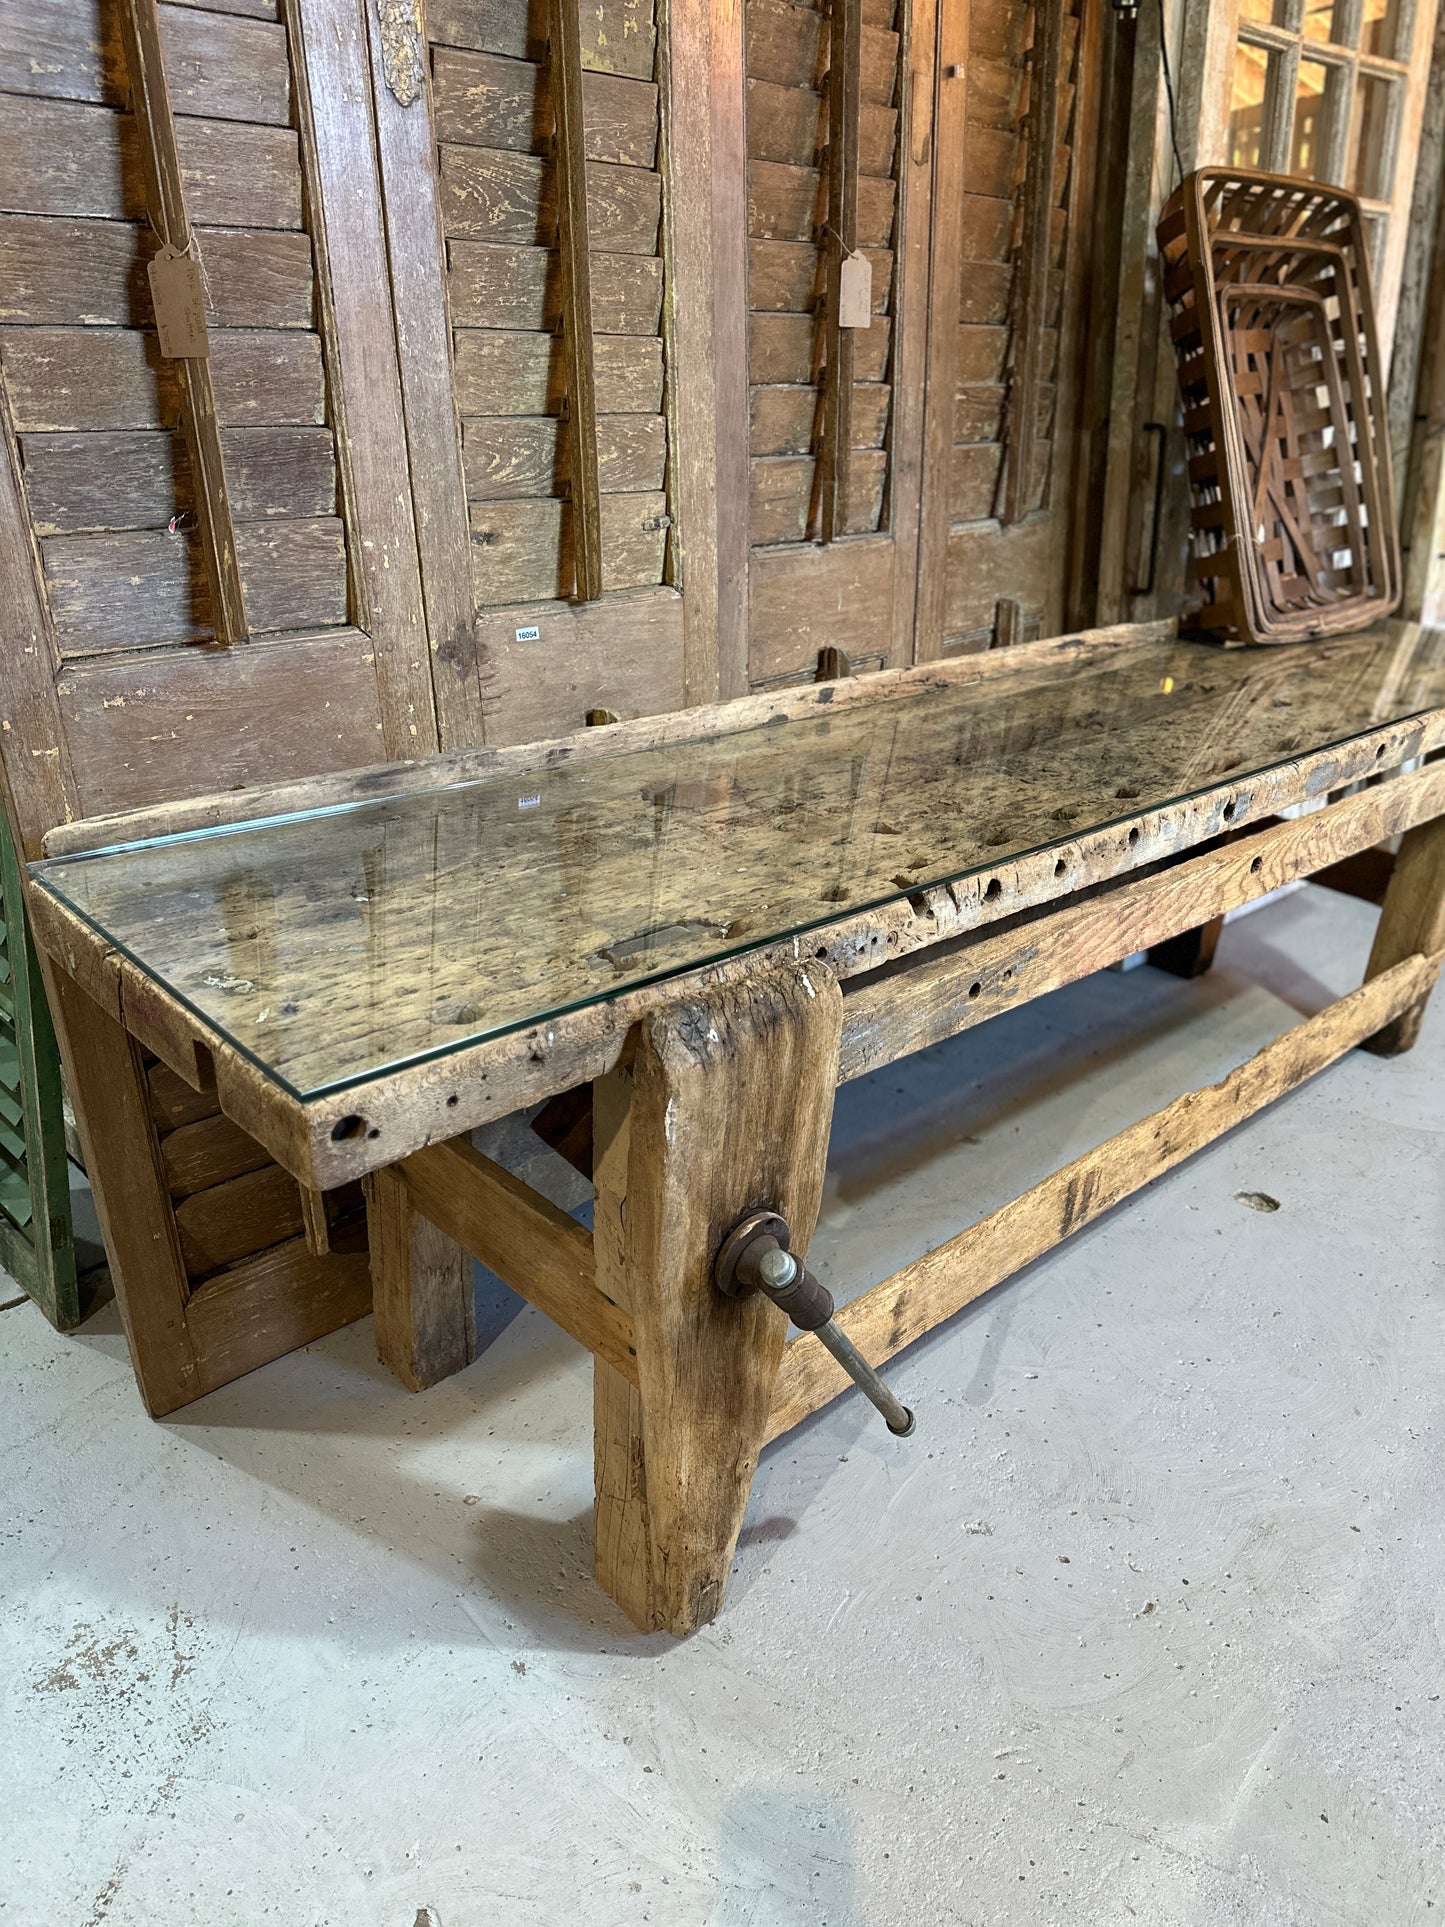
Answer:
[(731, 343), (1018, 134), (208, 565), (569, 361)]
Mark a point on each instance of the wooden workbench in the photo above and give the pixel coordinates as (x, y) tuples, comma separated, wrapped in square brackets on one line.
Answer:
[(715, 918)]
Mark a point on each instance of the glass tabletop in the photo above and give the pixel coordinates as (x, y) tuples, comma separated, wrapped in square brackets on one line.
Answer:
[(334, 945)]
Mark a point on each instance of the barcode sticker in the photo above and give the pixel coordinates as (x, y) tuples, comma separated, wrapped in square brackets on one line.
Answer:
[(529, 635)]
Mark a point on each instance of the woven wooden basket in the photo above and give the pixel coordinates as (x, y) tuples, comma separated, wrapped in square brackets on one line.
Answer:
[(1273, 324)]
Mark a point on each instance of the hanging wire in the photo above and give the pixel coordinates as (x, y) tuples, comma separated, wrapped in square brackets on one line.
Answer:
[(1169, 89)]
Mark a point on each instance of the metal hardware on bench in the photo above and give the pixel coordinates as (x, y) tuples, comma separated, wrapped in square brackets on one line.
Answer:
[(755, 1257)]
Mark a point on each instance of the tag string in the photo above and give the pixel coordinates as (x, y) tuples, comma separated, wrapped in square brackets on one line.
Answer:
[(1169, 89)]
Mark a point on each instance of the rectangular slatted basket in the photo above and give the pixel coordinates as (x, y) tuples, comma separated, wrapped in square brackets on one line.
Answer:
[(1273, 324)]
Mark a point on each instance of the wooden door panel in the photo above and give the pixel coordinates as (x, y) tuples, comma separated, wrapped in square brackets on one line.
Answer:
[(114, 693), (113, 583), (1009, 258), (483, 135), (506, 446), (273, 710), (282, 446), (123, 572), (838, 136), (806, 599)]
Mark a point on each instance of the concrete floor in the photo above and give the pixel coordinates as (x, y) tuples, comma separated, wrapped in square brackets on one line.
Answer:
[(1144, 1624)]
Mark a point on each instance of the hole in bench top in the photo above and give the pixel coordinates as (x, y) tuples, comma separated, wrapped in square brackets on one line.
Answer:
[(347, 1127), (994, 891)]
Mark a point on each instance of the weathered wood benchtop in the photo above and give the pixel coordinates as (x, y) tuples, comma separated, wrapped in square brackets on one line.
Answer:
[(367, 964)]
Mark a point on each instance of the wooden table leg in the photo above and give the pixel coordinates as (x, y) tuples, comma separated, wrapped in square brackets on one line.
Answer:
[(1412, 919), (185, 1339), (132, 1200), (1189, 954), (421, 1288), (723, 1104)]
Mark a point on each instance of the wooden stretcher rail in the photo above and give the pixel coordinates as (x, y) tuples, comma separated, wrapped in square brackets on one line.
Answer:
[(922, 1295), (545, 1256), (329, 1141)]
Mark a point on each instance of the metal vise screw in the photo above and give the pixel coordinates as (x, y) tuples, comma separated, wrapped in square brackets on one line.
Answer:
[(755, 1257)]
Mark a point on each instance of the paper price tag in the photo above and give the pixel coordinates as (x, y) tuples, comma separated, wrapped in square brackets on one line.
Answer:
[(180, 305), (855, 292)]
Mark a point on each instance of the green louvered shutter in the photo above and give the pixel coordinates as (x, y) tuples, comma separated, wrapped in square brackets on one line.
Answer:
[(36, 1244)]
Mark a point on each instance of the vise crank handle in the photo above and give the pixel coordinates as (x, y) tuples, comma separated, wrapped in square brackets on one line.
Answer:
[(755, 1257)]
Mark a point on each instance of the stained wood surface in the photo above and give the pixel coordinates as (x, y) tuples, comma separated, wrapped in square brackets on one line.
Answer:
[(226, 167), (893, 1314), (423, 333), (104, 1074), (706, 330), (271, 1304), (212, 1151), (822, 125), (249, 715), (106, 580), (232, 1220), (626, 655)]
